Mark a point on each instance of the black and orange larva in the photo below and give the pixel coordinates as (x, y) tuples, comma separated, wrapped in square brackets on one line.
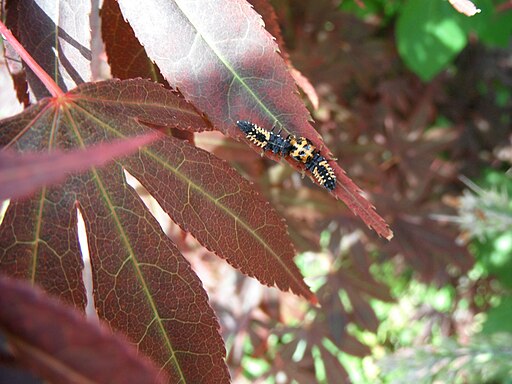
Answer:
[(268, 140), (298, 148)]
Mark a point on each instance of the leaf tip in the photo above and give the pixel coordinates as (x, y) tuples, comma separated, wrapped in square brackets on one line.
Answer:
[(314, 300)]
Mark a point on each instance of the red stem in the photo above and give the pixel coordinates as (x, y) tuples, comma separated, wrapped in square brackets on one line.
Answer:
[(51, 85)]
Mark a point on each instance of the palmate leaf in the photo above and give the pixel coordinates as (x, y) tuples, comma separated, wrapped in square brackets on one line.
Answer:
[(142, 284), (219, 56)]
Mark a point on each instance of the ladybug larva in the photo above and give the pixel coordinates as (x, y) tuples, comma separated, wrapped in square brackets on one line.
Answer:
[(298, 148)]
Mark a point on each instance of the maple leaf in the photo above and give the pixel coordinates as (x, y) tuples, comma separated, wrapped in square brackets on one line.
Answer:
[(134, 265), (129, 253), (126, 56), (269, 16), (62, 346), (227, 65)]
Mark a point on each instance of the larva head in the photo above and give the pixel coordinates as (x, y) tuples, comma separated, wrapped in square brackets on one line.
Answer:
[(302, 149), (245, 126), (257, 135)]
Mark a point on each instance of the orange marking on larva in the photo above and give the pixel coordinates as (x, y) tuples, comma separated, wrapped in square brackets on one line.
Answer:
[(303, 150)]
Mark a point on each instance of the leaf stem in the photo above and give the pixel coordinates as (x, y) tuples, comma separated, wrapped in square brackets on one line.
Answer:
[(51, 85)]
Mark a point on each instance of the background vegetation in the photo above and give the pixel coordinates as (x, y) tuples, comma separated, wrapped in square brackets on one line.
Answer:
[(436, 155)]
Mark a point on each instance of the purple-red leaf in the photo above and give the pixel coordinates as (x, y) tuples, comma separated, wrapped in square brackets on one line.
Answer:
[(62, 346), (13, 62), (219, 56), (145, 287), (127, 58), (201, 193), (21, 175), (334, 371), (142, 284), (222, 210)]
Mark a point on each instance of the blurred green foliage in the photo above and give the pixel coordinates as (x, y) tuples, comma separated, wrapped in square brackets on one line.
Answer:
[(485, 219), (487, 359), (492, 247), (385, 11), (431, 33), (499, 318), (485, 215)]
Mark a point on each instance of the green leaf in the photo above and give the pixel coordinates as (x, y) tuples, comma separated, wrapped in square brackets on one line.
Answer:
[(429, 36), (495, 255), (384, 10), (493, 27), (498, 318)]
